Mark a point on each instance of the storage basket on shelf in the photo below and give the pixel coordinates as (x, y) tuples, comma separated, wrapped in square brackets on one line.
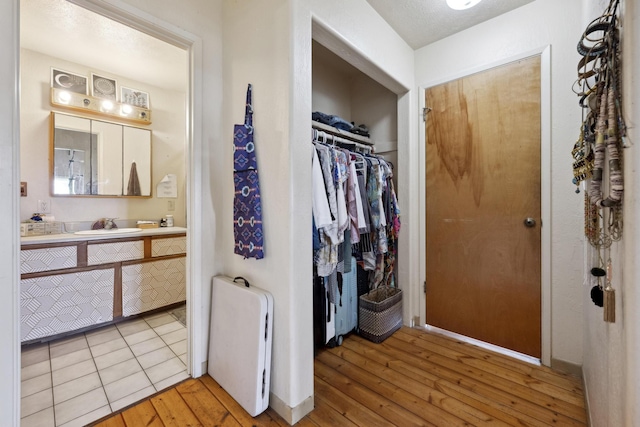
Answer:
[(380, 313)]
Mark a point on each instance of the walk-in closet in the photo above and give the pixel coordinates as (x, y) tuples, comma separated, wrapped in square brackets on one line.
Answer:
[(358, 116)]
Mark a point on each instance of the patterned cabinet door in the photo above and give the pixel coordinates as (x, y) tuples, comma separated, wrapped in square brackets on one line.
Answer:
[(60, 303), (45, 259), (154, 284), (104, 253), (169, 246)]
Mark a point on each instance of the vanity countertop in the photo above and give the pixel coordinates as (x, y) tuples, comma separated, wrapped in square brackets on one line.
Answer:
[(69, 237)]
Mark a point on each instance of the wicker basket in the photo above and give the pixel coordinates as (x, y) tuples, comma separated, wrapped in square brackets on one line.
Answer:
[(380, 313)]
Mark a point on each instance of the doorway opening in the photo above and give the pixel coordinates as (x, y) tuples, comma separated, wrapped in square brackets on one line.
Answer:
[(81, 38)]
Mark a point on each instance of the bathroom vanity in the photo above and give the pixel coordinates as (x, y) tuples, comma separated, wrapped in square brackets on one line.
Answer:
[(71, 282)]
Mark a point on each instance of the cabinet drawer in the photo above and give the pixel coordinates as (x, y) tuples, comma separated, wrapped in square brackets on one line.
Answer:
[(170, 246), (45, 259), (150, 285), (60, 303), (104, 253)]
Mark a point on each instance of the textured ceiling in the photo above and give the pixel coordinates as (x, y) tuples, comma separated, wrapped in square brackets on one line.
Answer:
[(421, 22), (63, 30)]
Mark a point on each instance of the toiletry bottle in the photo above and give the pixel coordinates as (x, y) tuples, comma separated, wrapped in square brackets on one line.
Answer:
[(169, 220)]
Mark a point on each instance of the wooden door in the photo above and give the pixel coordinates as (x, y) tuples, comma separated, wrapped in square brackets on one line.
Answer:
[(482, 183)]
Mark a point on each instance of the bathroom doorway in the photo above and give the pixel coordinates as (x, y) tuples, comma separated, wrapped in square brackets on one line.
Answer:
[(89, 44)]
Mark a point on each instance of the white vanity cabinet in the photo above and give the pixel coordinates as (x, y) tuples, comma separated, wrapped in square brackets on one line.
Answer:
[(58, 303), (154, 284), (158, 282), (79, 283)]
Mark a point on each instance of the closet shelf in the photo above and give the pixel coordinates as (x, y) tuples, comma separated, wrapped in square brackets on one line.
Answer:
[(342, 133)]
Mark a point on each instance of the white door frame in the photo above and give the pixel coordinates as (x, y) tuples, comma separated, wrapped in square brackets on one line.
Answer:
[(545, 190)]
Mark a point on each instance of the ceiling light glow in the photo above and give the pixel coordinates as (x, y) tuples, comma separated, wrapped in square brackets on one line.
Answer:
[(107, 105), (462, 4), (64, 97)]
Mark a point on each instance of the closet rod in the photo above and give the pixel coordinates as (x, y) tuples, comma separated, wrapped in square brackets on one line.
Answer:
[(317, 134), (341, 133)]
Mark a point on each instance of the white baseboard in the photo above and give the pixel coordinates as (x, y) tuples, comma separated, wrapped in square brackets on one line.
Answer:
[(566, 367), (291, 415), (587, 406), (487, 346)]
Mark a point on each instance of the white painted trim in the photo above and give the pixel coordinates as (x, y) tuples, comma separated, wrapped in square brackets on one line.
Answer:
[(487, 346), (484, 67), (10, 159), (422, 200), (345, 49), (291, 415), (587, 401), (122, 12), (195, 323), (545, 189), (545, 202)]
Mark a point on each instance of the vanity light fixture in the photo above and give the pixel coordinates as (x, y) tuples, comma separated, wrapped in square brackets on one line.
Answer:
[(462, 4), (103, 107), (65, 97), (106, 105)]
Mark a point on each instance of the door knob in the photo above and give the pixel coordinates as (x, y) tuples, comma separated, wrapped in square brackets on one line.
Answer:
[(529, 222)]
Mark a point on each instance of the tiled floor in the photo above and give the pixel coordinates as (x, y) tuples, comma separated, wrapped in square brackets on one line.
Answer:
[(77, 380)]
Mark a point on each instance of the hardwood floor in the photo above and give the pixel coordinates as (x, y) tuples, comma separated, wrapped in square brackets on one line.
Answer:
[(414, 378)]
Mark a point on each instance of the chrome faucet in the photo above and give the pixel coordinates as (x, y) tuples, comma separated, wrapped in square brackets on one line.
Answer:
[(109, 223)]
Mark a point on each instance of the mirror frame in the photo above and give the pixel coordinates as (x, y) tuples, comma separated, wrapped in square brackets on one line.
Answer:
[(52, 130)]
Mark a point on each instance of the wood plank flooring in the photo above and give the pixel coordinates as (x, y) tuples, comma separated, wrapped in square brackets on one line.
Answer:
[(414, 378)]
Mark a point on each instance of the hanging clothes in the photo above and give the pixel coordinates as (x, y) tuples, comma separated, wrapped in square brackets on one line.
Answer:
[(247, 206), (321, 209), (356, 214), (360, 186)]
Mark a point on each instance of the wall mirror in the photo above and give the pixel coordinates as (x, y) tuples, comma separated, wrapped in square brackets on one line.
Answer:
[(92, 157)]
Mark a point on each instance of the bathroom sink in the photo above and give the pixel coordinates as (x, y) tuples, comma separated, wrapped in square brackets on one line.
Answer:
[(103, 231)]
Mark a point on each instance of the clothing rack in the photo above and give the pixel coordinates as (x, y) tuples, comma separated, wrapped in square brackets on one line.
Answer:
[(324, 133)]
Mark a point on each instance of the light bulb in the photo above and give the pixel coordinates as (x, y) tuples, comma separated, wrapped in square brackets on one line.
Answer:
[(64, 97), (462, 4), (126, 109), (107, 105)]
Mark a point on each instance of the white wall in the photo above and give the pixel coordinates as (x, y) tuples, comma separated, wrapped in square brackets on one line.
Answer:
[(541, 23), (629, 298), (256, 51), (9, 213), (611, 376), (332, 84), (168, 147), (603, 369), (342, 90), (270, 47), (377, 107)]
